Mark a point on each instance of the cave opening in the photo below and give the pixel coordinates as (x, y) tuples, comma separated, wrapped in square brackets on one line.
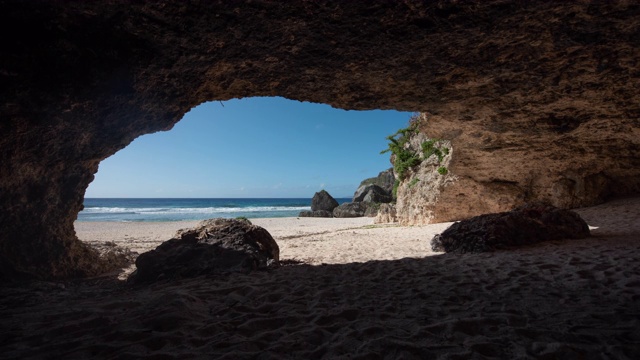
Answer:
[(260, 157), (261, 147)]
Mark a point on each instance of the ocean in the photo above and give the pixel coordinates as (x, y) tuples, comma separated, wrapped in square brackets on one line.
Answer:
[(190, 209)]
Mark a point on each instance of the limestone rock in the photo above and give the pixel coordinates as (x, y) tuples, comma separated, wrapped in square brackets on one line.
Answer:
[(419, 193), (349, 210), (215, 246), (529, 224), (317, 213), (492, 169), (386, 214), (323, 201)]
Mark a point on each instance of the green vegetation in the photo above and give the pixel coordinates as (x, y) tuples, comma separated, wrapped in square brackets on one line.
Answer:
[(429, 148), (243, 218), (394, 192), (406, 159), (413, 182)]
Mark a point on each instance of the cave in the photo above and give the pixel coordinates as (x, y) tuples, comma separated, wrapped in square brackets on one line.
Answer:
[(552, 83)]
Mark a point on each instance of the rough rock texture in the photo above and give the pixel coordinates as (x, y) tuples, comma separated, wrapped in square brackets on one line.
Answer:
[(528, 224), (372, 193), (386, 214), (349, 210), (384, 180), (372, 209), (115, 256), (317, 213), (322, 200), (493, 170), (419, 193), (215, 246), (373, 196), (552, 83)]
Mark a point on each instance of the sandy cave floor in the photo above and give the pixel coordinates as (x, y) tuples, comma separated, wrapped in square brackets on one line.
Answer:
[(366, 292)]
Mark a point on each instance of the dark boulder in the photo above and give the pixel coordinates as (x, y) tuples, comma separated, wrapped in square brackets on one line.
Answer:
[(323, 201), (215, 246), (385, 180), (528, 224), (375, 196), (349, 210), (372, 193), (317, 213)]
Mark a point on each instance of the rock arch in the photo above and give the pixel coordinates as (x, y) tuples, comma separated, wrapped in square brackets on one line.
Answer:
[(81, 80)]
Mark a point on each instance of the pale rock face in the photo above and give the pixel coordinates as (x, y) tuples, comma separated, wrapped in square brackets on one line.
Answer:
[(418, 195), (494, 170), (386, 214)]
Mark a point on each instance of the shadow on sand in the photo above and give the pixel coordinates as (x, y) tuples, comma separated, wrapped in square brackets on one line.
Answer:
[(561, 299)]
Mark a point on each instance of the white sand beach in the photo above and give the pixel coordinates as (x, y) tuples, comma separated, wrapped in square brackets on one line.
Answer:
[(311, 240), (365, 292)]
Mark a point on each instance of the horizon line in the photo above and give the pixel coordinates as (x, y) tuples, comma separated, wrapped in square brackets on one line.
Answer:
[(296, 197)]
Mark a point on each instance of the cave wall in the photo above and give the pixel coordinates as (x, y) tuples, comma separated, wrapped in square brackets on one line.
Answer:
[(80, 80), (563, 164), (495, 169)]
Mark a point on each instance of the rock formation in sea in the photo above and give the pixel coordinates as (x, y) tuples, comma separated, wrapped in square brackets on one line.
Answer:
[(539, 99), (215, 246), (525, 225)]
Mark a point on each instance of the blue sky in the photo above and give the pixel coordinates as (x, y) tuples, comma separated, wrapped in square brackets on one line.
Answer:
[(253, 147)]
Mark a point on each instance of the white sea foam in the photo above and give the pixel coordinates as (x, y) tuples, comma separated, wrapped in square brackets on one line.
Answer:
[(204, 210)]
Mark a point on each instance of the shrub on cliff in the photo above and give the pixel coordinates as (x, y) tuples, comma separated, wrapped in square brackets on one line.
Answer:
[(406, 158)]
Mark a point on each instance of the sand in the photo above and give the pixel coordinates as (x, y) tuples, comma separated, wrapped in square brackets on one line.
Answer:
[(365, 292), (313, 241)]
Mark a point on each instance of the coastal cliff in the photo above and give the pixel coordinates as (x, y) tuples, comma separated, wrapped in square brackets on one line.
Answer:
[(538, 99), (494, 169)]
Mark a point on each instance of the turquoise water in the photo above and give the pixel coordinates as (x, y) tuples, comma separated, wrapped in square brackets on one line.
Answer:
[(190, 209)]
